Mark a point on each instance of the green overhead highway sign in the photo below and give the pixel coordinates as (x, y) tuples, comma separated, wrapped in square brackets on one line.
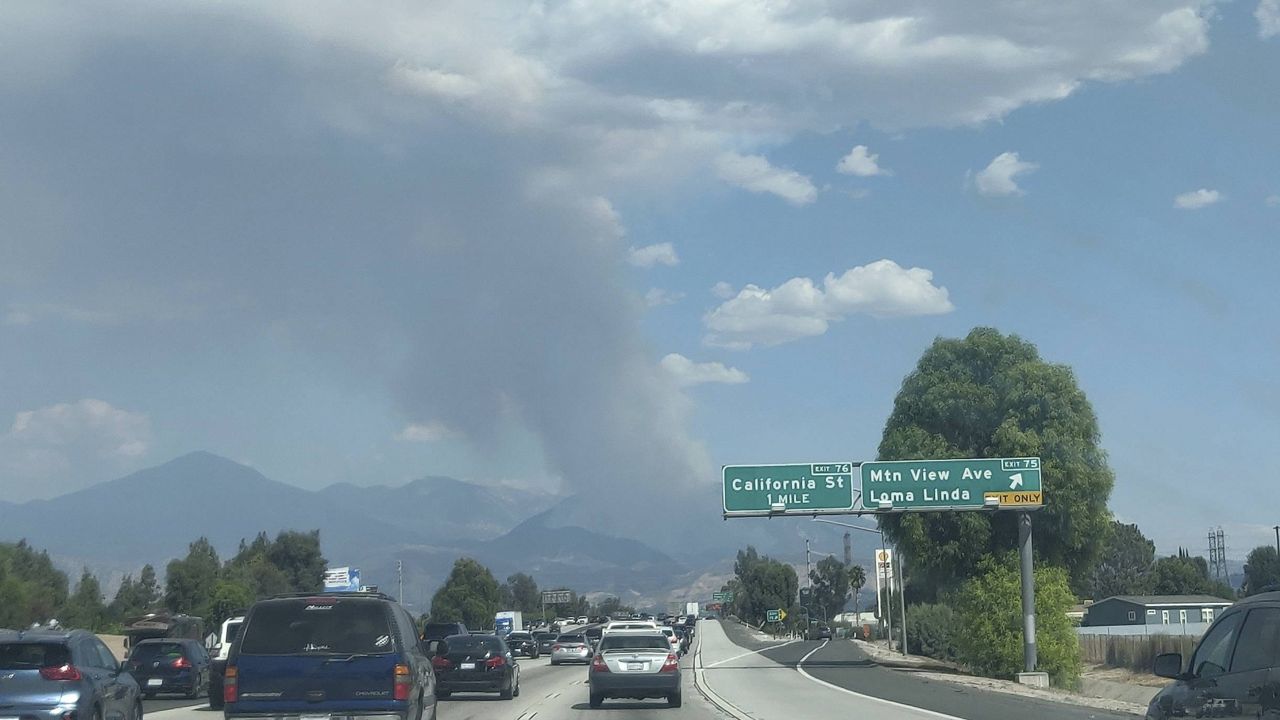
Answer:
[(952, 484), (789, 489)]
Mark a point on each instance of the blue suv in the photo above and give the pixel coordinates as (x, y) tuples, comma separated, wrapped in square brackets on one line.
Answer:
[(64, 675), (338, 655)]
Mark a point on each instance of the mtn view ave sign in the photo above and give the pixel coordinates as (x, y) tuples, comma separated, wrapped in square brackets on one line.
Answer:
[(796, 489), (952, 484)]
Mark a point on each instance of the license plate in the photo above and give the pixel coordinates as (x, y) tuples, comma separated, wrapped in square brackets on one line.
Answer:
[(635, 666), (155, 682), (463, 666)]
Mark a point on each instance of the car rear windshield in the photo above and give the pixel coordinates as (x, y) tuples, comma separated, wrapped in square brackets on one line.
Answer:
[(154, 651), (439, 631), (233, 632), (519, 636), (317, 626), (571, 639), (470, 644), (33, 656), (634, 642)]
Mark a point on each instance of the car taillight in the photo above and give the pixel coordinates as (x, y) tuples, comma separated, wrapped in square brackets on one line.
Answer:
[(496, 662), (556, 647), (230, 684), (598, 664), (672, 664), (403, 683), (441, 662), (61, 672), (181, 663)]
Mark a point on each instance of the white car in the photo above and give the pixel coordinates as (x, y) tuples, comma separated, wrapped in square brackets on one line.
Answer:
[(629, 626), (672, 638), (584, 620)]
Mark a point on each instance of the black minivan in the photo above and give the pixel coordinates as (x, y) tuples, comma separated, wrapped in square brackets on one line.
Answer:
[(332, 655), (1235, 670)]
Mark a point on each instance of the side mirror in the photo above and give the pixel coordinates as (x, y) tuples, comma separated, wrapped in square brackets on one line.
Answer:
[(1168, 665), (123, 667)]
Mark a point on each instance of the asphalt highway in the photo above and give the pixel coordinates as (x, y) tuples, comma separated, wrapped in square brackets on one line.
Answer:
[(745, 679)]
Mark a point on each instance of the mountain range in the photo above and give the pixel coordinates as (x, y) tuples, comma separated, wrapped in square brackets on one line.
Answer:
[(150, 516)]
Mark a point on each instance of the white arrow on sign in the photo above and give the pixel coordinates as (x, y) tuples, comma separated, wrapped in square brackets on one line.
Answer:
[(1015, 481)]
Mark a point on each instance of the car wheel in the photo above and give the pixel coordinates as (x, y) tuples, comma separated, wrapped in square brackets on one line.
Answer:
[(137, 710), (553, 662), (97, 713), (595, 700), (516, 693), (443, 694), (508, 692), (674, 700)]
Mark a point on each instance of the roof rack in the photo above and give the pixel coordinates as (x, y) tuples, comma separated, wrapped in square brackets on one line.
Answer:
[(333, 593)]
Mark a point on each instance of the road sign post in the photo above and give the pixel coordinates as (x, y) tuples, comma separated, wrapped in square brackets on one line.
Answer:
[(933, 485), (801, 489), (1028, 593)]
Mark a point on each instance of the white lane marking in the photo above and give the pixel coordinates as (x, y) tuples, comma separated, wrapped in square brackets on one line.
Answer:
[(872, 698), (753, 652)]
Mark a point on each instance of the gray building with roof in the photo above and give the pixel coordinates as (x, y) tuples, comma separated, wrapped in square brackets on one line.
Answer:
[(1176, 610)]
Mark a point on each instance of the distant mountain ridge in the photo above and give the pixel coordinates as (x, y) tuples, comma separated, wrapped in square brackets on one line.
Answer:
[(151, 515)]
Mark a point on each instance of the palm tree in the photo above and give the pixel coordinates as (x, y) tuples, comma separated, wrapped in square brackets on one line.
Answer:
[(857, 578)]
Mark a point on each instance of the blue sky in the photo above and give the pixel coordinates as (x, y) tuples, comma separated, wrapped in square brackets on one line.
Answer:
[(368, 247)]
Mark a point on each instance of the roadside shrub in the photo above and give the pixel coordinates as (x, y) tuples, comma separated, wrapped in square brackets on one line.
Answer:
[(931, 631), (990, 611)]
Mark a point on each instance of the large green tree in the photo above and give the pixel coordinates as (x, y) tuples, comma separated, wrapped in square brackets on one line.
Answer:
[(520, 592), (991, 395), (1185, 574), (763, 584), (857, 579), (135, 597), (830, 587), (1124, 567), (31, 588), (84, 609), (189, 582), (470, 595), (1261, 570)]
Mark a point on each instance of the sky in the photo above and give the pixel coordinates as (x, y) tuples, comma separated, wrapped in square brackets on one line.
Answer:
[(605, 247)]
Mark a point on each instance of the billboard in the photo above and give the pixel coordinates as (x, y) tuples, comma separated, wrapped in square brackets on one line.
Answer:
[(342, 579)]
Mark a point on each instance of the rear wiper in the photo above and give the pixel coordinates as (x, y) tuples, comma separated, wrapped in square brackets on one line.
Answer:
[(349, 658)]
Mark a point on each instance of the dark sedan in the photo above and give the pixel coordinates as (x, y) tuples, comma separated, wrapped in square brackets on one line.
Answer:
[(523, 644), (476, 663), (545, 640)]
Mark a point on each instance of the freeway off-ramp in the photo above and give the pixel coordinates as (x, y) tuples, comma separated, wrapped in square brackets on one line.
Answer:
[(749, 680)]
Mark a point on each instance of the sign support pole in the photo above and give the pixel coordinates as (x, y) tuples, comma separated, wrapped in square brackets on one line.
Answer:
[(902, 597), (887, 598), (1028, 592)]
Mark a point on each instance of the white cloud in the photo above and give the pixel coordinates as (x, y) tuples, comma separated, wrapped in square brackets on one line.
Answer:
[(1196, 199), (799, 308), (756, 174), (650, 255), (998, 178), (686, 372), (17, 317), (860, 162), (1273, 201), (722, 290), (65, 447), (658, 296), (1268, 16), (433, 431)]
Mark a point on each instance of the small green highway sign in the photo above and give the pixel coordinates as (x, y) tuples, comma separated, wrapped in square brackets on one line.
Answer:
[(951, 484), (796, 489), (775, 615), (722, 597)]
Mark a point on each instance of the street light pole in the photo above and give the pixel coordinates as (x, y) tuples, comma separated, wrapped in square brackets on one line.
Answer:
[(1277, 528), (887, 608)]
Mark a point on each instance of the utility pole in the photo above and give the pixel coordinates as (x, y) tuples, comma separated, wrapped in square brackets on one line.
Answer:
[(808, 566), (400, 578), (902, 598), (1277, 529)]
